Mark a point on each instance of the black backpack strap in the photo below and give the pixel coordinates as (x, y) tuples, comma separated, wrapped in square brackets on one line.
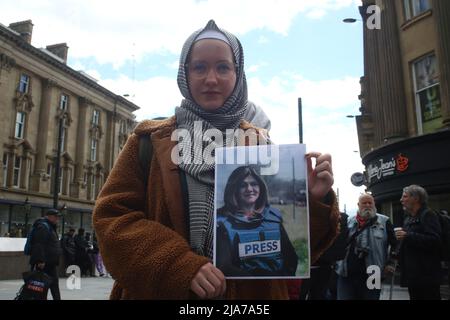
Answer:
[(145, 155), (185, 195)]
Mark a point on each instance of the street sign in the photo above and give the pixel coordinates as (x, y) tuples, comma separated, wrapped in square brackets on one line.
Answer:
[(357, 179)]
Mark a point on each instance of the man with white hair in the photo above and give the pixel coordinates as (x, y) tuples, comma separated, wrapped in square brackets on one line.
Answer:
[(369, 238), (420, 255)]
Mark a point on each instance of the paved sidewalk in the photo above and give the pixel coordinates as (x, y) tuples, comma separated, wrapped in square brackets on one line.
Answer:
[(92, 288), (96, 288)]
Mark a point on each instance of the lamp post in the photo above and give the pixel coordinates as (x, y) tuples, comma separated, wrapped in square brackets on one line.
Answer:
[(63, 222), (56, 177), (300, 120), (27, 207), (350, 20)]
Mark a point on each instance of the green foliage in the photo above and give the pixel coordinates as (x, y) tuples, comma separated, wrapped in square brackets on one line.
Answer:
[(301, 248)]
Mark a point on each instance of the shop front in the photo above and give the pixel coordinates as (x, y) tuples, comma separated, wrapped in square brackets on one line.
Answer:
[(422, 160)]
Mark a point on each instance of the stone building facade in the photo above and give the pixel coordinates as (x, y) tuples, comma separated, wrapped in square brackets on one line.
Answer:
[(39, 94), (404, 125)]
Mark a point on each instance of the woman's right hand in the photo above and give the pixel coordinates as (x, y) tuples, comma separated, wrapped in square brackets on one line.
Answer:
[(209, 282)]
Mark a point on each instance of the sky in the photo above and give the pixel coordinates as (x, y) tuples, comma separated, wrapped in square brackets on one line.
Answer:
[(293, 49)]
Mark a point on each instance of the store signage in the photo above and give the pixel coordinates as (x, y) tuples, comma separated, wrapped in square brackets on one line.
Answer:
[(387, 167), (357, 179)]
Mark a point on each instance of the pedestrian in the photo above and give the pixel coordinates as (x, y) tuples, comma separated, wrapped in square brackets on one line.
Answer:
[(245, 219), (81, 252), (68, 247), (157, 238), (447, 261), (322, 284), (420, 248), (370, 237), (97, 257), (46, 249)]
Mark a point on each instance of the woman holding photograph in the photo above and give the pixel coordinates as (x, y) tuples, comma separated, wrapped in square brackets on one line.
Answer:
[(251, 239), (155, 229)]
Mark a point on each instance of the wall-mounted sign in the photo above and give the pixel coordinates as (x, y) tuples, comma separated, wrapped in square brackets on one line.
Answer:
[(386, 167), (357, 179)]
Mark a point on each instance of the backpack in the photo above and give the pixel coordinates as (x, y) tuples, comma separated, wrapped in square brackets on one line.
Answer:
[(444, 220), (27, 247), (145, 154)]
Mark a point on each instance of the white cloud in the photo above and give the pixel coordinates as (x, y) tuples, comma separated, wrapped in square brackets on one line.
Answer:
[(325, 104), (263, 40), (325, 127), (115, 31)]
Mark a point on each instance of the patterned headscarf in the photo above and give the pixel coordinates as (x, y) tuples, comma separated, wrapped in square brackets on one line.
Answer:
[(230, 114), (200, 177)]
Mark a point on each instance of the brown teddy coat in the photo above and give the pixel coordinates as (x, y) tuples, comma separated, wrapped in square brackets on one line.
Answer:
[(143, 236)]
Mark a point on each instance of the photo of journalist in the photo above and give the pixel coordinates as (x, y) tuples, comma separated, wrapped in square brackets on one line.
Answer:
[(251, 239)]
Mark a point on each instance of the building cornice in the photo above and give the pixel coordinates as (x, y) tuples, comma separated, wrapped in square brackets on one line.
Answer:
[(46, 58)]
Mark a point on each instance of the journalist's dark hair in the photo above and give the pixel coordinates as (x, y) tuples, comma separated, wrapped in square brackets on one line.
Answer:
[(233, 185)]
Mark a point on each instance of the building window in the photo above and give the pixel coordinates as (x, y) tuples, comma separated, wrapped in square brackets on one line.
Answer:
[(428, 98), (95, 117), (93, 150), (93, 186), (20, 125), (5, 168), (123, 127), (415, 7), (24, 83), (63, 102), (16, 171), (63, 139)]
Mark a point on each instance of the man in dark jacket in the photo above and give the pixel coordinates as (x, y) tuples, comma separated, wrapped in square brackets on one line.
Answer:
[(322, 282), (420, 248), (68, 246), (46, 249), (81, 252)]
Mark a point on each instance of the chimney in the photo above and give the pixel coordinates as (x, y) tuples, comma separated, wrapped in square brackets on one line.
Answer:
[(60, 50), (25, 28)]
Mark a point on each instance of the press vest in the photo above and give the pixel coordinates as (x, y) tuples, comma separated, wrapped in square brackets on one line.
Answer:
[(256, 244)]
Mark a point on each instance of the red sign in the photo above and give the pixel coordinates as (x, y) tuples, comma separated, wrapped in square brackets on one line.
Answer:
[(402, 163)]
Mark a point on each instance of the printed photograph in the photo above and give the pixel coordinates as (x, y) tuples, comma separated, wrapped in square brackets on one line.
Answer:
[(261, 212)]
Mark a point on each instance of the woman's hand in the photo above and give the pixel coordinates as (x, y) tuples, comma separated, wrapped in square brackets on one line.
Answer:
[(320, 179), (209, 282)]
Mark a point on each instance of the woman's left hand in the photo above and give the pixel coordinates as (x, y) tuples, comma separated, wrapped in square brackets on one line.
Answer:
[(320, 178)]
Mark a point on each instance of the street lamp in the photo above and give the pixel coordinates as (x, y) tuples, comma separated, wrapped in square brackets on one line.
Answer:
[(56, 179), (300, 120), (63, 214), (350, 20), (27, 207)]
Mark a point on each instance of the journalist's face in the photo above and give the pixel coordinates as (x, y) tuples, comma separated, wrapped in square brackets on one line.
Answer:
[(248, 191), (211, 73)]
